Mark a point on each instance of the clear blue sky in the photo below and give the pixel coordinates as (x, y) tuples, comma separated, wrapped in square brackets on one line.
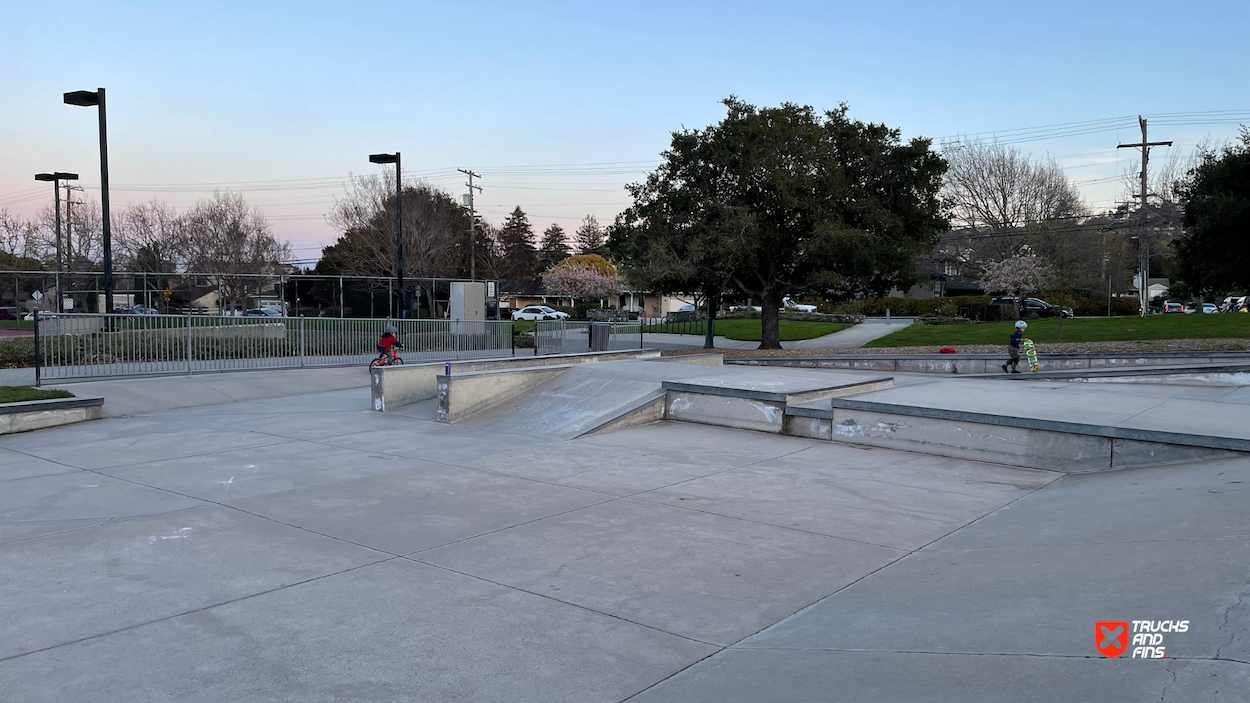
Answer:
[(233, 92)]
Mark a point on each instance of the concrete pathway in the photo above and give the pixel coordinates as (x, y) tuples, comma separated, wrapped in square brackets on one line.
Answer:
[(853, 337), (850, 338)]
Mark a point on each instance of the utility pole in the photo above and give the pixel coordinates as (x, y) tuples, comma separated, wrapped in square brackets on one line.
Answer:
[(472, 223), (1143, 239)]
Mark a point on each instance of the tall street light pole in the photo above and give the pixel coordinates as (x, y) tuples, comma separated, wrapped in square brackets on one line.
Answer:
[(55, 179), (87, 98), (399, 225)]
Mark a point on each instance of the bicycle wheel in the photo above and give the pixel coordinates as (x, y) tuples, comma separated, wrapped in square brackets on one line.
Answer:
[(398, 362), (376, 363)]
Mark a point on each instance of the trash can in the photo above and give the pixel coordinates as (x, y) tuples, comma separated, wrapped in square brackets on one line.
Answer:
[(600, 335)]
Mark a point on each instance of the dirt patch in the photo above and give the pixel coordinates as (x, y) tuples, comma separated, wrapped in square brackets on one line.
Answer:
[(1134, 347)]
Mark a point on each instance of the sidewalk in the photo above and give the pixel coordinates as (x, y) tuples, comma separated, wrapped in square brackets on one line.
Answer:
[(849, 338), (853, 337)]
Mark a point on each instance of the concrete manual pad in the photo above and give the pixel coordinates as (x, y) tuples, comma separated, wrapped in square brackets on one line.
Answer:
[(121, 441), (1195, 417), (83, 495), (80, 584), (388, 633), (246, 473), (881, 496), (1031, 600), (789, 676), (1065, 402), (416, 509), (1084, 403), (701, 576), (1195, 501), (15, 465)]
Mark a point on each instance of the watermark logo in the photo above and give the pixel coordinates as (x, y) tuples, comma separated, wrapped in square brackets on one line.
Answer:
[(1111, 637)]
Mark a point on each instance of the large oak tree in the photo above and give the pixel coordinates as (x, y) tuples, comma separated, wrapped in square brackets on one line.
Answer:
[(785, 200)]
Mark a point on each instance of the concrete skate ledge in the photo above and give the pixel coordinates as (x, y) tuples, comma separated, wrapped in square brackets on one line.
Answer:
[(38, 414), (1072, 428), (394, 387), (1122, 372), (717, 359), (972, 364), (462, 395), (748, 408), (792, 398)]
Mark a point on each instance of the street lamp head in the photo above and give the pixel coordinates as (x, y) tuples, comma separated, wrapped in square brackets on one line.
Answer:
[(45, 177), (63, 176), (83, 98), (383, 158)]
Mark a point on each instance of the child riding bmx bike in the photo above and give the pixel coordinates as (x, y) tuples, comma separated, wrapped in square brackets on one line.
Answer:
[(388, 345)]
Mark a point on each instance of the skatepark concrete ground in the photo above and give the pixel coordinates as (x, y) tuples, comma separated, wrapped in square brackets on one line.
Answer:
[(269, 546)]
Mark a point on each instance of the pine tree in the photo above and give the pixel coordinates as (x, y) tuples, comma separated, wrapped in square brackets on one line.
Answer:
[(554, 249), (516, 242), (590, 237)]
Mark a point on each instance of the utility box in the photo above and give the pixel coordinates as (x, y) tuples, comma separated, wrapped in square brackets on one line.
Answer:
[(468, 301)]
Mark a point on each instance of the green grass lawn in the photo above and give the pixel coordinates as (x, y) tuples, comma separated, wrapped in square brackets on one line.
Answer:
[(17, 394), (749, 330), (17, 324), (1087, 329)]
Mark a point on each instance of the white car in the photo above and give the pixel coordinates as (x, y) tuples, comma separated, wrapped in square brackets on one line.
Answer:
[(791, 306), (538, 312), (263, 312)]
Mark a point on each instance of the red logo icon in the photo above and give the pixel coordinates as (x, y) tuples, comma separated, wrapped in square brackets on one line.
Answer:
[(1111, 637)]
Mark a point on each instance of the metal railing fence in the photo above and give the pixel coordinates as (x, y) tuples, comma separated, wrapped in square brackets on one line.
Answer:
[(85, 345), (566, 337)]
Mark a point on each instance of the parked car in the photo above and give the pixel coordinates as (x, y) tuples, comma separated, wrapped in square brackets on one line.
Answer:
[(1191, 308), (685, 308), (137, 310), (1208, 308), (539, 312), (791, 306), (9, 313), (1172, 306), (263, 312), (1036, 306)]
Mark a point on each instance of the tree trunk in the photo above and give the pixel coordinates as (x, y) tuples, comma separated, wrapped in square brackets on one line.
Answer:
[(770, 320), (1063, 297)]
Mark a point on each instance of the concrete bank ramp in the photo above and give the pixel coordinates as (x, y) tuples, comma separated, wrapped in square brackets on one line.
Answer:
[(583, 398)]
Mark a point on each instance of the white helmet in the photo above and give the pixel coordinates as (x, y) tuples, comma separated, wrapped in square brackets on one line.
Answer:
[(391, 329), (1021, 324)]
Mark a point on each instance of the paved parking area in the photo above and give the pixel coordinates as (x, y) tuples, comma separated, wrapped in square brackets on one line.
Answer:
[(308, 549)]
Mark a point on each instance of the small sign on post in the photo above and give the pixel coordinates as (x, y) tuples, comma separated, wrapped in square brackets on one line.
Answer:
[(37, 296)]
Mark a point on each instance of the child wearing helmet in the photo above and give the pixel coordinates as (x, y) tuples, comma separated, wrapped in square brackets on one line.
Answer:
[(388, 342), (1013, 347)]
